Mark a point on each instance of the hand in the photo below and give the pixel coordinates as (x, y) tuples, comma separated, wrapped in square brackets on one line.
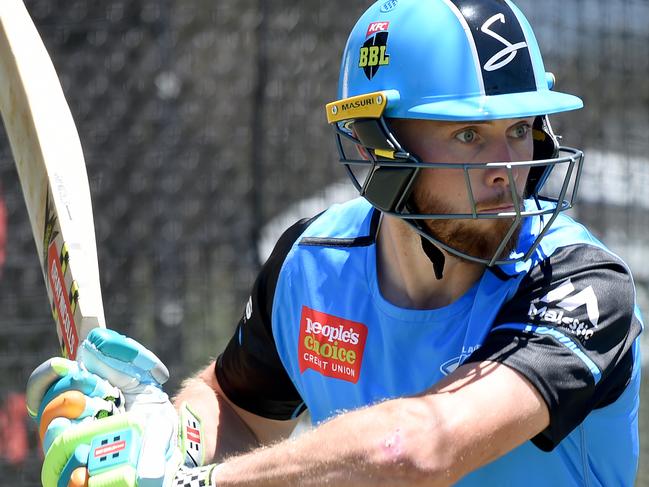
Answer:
[(112, 436), (61, 392)]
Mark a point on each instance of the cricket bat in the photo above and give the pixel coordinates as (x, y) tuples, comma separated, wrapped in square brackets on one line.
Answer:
[(52, 172)]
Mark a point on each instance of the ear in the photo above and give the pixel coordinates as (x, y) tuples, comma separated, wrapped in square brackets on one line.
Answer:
[(360, 148)]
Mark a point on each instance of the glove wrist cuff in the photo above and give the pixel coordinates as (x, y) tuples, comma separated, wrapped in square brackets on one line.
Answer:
[(195, 477)]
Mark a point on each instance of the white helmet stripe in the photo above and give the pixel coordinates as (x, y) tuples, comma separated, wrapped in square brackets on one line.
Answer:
[(505, 62), (469, 36)]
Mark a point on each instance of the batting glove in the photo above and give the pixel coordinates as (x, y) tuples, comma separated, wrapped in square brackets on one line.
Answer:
[(105, 421)]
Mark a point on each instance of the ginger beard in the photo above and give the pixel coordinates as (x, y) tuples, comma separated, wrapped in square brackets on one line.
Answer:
[(477, 238)]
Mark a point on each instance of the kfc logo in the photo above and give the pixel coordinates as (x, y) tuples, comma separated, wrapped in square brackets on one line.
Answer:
[(376, 27)]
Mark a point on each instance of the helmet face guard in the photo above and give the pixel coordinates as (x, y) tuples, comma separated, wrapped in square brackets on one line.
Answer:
[(390, 173), (453, 60)]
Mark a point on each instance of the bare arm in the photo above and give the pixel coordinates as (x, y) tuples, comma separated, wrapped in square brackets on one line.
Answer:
[(227, 429), (474, 416)]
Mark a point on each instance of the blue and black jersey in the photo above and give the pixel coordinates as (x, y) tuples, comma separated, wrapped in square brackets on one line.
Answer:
[(318, 334)]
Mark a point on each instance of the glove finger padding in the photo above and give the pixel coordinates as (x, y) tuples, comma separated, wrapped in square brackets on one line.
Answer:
[(122, 361), (74, 406), (61, 393), (58, 375)]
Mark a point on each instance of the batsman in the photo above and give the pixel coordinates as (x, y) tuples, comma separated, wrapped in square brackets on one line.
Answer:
[(450, 326)]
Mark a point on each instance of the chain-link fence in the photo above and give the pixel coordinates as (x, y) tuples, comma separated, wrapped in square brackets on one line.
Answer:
[(201, 121)]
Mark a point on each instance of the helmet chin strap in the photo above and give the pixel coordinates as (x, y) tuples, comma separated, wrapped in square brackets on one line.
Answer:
[(435, 255)]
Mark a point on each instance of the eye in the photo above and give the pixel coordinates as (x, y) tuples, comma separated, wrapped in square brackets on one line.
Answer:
[(521, 131), (467, 136)]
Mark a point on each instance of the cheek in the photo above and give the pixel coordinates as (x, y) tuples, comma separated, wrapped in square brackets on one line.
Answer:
[(525, 150), (442, 179), (521, 178), (445, 184)]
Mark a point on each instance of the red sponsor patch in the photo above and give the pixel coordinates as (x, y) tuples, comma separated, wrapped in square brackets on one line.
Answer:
[(193, 435), (377, 27), (331, 345), (105, 450), (62, 303)]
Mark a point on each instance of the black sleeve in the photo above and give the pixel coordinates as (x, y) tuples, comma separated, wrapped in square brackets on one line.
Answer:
[(250, 371), (569, 330)]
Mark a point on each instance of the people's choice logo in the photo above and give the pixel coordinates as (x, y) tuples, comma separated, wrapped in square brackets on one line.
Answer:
[(331, 345), (505, 56)]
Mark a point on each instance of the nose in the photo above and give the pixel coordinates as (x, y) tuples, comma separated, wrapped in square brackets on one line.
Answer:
[(498, 175)]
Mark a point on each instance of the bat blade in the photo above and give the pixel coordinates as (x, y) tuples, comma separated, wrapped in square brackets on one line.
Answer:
[(52, 172)]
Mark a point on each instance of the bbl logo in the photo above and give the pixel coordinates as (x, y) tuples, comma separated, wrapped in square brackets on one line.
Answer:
[(373, 55)]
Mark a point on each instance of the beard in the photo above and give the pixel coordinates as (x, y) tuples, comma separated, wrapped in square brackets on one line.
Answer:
[(475, 237)]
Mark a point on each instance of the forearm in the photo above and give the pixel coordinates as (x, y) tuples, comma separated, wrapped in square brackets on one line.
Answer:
[(388, 444), (431, 440), (224, 433)]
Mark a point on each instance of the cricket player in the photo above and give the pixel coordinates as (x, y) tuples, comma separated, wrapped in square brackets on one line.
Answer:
[(450, 326)]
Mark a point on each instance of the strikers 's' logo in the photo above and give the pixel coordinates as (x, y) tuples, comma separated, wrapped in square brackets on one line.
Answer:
[(373, 53), (508, 53)]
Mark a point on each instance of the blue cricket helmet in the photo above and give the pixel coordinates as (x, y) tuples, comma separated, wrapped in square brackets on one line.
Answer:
[(451, 60)]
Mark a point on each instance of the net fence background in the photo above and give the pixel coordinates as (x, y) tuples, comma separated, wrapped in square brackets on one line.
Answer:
[(203, 121)]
